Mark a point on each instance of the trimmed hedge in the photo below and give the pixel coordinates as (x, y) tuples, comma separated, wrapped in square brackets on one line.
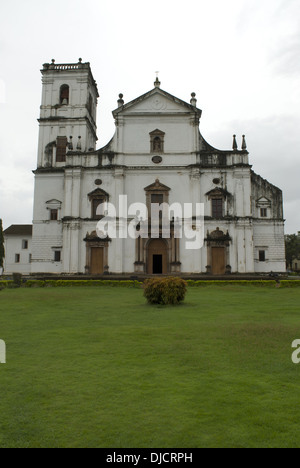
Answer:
[(139, 284), (259, 283), (81, 283), (166, 291)]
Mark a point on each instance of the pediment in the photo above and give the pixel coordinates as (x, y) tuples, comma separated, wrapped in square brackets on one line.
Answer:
[(157, 132), (157, 186), (98, 193), (217, 192), (263, 202), (156, 101), (53, 202)]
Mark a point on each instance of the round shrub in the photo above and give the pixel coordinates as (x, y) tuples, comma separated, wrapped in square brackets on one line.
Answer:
[(165, 290)]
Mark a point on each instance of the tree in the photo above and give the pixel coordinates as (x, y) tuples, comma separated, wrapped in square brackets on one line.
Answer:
[(292, 248), (2, 251)]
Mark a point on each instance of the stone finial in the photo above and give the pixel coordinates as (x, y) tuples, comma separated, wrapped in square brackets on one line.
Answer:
[(234, 145), (244, 144), (80, 60), (70, 145), (79, 144), (157, 82), (120, 100), (193, 100)]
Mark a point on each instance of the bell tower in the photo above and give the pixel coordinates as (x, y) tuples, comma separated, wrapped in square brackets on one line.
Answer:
[(68, 112)]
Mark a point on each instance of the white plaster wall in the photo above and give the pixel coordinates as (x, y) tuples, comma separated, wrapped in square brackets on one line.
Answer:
[(269, 236), (13, 246), (47, 234)]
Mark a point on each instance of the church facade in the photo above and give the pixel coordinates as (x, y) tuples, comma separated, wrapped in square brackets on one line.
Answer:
[(157, 155)]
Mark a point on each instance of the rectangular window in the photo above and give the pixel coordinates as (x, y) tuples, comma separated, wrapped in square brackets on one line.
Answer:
[(61, 149), (217, 207), (24, 244), (157, 198), (98, 211), (17, 258), (264, 212), (57, 255), (53, 215), (262, 255)]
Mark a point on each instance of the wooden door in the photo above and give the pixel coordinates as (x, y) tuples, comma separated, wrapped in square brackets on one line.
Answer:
[(218, 262), (97, 266)]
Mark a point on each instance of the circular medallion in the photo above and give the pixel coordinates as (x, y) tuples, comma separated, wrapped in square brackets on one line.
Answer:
[(98, 182), (157, 103), (157, 159), (216, 181)]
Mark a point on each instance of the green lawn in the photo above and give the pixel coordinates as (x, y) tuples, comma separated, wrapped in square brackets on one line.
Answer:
[(98, 367)]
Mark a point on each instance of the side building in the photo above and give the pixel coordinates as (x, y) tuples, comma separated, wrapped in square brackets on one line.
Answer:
[(18, 249)]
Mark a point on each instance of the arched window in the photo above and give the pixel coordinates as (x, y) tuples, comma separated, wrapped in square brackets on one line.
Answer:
[(218, 196), (157, 146), (157, 141), (98, 198), (64, 95), (90, 105)]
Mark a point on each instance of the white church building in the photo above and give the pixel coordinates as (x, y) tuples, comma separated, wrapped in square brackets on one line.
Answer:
[(157, 155)]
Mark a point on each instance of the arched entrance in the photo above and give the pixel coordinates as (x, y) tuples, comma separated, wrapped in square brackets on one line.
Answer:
[(96, 254), (157, 257)]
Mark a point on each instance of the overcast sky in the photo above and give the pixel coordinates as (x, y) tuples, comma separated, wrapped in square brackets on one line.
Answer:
[(241, 58)]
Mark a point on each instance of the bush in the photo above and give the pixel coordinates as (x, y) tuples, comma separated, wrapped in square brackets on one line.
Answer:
[(165, 290)]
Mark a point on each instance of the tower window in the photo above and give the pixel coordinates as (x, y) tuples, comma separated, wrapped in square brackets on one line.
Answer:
[(64, 95), (61, 149), (54, 215), (24, 244), (90, 105), (264, 212)]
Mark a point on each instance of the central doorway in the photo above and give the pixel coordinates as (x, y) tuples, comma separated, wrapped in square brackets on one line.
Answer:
[(157, 255), (157, 264)]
